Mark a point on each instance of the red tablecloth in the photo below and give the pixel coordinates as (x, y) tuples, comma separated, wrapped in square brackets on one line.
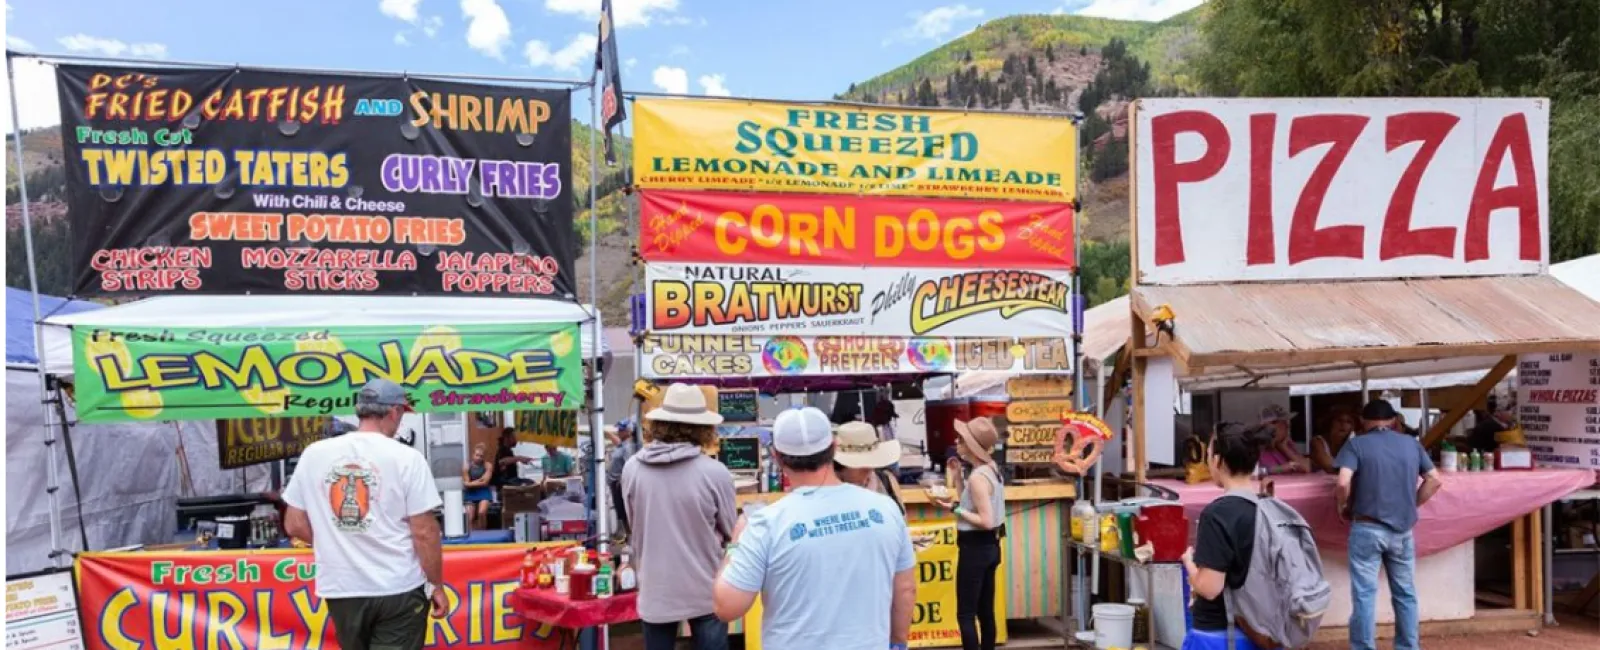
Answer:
[(1469, 505), (550, 608)]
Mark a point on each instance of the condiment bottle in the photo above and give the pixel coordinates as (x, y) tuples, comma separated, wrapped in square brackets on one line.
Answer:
[(582, 581), (1082, 519), (1447, 457), (530, 571), (627, 581), (1477, 461), (602, 580)]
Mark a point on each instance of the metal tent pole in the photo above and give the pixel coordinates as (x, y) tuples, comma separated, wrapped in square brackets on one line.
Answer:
[(51, 473), (597, 381)]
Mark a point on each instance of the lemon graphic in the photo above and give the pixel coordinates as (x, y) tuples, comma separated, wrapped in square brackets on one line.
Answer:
[(331, 345), (96, 348), (267, 401), (438, 336), (561, 344), (142, 404)]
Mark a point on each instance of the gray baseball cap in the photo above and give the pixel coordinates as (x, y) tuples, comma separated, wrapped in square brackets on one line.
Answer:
[(382, 392)]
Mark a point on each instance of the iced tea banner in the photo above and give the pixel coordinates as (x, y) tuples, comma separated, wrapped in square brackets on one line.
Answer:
[(673, 356), (260, 600), (708, 144), (178, 373), (838, 230)]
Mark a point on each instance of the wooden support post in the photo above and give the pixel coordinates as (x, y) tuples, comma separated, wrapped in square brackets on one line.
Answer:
[(1519, 563), (1138, 414), (1536, 542), (1481, 390)]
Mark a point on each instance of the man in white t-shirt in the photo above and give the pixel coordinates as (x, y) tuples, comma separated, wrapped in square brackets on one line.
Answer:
[(365, 503), (832, 562)]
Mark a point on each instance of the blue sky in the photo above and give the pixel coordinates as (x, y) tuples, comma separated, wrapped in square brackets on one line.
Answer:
[(748, 48)]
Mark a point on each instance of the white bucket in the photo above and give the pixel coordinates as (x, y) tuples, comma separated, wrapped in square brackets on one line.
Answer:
[(1113, 625)]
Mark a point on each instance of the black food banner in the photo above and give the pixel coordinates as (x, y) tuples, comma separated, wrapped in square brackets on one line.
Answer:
[(213, 181)]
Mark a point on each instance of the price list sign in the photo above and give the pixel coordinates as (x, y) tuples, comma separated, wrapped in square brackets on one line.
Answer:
[(1558, 404), (42, 612)]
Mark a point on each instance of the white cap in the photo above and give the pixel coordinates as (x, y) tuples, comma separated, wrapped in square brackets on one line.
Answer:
[(801, 432)]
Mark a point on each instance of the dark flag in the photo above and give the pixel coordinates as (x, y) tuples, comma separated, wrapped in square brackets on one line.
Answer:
[(612, 112)]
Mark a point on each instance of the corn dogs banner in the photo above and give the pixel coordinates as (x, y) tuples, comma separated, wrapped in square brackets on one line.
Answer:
[(811, 148), (853, 231), (673, 356), (176, 373), (850, 301), (260, 600)]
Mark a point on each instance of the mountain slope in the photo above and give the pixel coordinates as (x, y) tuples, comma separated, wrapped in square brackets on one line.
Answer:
[(1164, 45)]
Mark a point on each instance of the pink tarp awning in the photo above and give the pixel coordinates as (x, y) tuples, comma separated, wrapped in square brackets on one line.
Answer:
[(1469, 505)]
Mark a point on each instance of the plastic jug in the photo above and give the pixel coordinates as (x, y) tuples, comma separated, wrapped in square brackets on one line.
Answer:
[(1165, 528)]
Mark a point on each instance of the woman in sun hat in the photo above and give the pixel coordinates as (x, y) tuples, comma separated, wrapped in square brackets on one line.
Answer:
[(864, 460), (980, 523)]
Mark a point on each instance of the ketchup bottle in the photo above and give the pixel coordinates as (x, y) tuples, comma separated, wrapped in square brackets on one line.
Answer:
[(530, 571)]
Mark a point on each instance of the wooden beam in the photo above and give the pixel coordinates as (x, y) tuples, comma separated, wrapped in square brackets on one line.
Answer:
[(1289, 359), (1519, 563), (1478, 392)]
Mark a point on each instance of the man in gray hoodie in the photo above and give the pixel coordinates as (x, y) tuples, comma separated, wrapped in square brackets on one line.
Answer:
[(681, 509)]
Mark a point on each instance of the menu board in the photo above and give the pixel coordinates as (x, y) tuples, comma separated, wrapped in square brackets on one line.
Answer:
[(738, 405), (42, 612), (740, 453), (1558, 405)]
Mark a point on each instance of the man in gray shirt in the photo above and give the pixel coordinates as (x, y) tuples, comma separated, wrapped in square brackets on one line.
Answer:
[(1378, 489)]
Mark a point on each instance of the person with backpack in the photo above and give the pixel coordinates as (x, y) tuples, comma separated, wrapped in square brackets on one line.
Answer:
[(1379, 490), (1254, 571)]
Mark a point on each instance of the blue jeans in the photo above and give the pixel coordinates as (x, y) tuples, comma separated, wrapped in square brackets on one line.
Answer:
[(708, 632), (1372, 544)]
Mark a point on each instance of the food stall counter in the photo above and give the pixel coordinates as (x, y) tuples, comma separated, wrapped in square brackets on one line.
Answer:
[(1036, 516)]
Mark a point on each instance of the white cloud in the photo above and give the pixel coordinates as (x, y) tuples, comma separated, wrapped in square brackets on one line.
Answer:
[(15, 43), (714, 85), (111, 47), (579, 50), (402, 10), (37, 102), (627, 13), (488, 29), (431, 25), (401, 40), (935, 24), (1150, 10), (678, 51), (671, 80), (149, 50), (628, 65)]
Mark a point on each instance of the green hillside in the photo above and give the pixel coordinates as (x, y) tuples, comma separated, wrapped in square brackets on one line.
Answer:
[(1165, 45)]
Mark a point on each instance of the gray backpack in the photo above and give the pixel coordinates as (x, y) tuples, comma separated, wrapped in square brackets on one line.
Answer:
[(1284, 594)]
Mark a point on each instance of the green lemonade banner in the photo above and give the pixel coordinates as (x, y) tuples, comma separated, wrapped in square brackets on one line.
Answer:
[(174, 373)]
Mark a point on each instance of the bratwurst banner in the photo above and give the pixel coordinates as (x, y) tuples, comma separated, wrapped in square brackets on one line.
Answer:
[(851, 301), (177, 373), (709, 144), (841, 230), (235, 180)]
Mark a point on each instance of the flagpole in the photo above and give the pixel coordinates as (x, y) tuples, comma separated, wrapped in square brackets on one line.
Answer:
[(597, 413)]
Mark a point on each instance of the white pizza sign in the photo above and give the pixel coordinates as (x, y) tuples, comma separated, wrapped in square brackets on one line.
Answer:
[(1232, 190)]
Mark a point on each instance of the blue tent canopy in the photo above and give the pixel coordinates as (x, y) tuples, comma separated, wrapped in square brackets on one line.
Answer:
[(19, 321)]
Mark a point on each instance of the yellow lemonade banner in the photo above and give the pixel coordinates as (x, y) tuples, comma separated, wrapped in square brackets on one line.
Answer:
[(709, 144), (933, 624), (177, 373)]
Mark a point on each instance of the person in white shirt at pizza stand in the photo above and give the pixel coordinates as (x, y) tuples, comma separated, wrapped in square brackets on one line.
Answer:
[(365, 503)]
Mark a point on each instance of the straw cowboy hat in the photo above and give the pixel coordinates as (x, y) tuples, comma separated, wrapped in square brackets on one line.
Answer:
[(686, 404), (860, 448), (980, 436)]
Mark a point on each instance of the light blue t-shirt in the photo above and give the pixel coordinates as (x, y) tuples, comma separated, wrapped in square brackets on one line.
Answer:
[(824, 561)]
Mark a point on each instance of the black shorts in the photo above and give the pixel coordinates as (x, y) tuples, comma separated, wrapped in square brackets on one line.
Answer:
[(398, 622)]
